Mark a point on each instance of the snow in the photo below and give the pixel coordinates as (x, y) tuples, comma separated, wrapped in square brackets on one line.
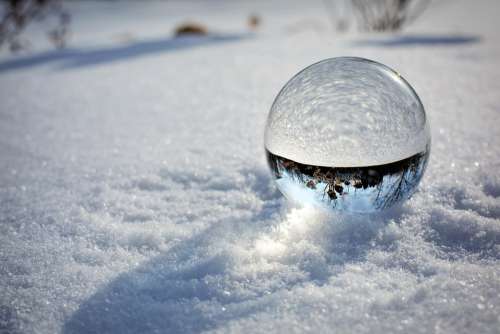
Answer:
[(135, 197)]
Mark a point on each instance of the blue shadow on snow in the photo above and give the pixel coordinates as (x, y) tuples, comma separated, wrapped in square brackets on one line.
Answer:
[(76, 58), (419, 40)]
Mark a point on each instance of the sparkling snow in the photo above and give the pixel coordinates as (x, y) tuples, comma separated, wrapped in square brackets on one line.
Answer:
[(135, 198)]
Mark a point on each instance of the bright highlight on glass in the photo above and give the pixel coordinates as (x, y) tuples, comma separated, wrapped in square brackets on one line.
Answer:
[(348, 134)]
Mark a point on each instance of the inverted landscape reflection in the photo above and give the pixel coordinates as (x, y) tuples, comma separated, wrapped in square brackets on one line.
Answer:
[(350, 189)]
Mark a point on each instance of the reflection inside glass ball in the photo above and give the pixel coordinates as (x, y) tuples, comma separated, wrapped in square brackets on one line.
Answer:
[(348, 134)]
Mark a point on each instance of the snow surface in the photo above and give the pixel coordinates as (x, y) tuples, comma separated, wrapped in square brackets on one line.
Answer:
[(135, 198)]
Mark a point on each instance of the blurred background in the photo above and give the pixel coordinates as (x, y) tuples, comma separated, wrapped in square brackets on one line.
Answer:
[(60, 21)]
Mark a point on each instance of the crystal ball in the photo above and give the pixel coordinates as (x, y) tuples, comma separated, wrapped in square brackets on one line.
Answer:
[(347, 134)]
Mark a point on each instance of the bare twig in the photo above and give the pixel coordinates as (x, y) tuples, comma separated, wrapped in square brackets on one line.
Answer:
[(18, 14), (387, 15)]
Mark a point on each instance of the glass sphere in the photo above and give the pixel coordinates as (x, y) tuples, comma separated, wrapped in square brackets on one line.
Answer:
[(349, 134)]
